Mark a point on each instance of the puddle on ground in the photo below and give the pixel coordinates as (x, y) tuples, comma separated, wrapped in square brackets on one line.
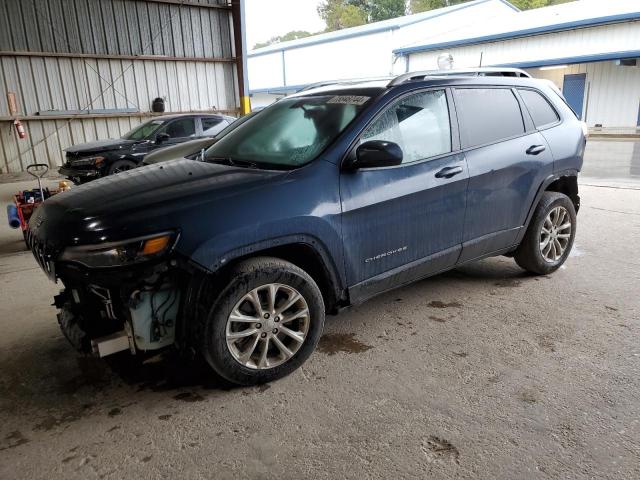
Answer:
[(439, 304), (332, 343)]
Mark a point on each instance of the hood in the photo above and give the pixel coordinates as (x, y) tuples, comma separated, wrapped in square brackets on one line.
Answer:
[(143, 201), (178, 151), (100, 146)]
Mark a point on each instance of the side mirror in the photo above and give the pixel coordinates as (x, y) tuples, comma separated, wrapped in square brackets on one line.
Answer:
[(377, 153), (162, 137)]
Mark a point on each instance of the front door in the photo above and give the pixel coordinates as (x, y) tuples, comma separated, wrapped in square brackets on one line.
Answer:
[(573, 91), (405, 222)]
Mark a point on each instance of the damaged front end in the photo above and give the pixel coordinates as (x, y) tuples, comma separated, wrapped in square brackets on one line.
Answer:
[(118, 296)]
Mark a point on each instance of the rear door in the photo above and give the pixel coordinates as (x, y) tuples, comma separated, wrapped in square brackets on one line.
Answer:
[(404, 222), (507, 159)]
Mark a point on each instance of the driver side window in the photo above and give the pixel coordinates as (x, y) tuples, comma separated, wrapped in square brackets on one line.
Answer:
[(182, 127), (418, 123)]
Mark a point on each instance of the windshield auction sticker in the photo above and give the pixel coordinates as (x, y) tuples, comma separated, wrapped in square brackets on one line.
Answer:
[(349, 99)]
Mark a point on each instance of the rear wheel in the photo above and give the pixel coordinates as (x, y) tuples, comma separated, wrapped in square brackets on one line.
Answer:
[(550, 235), (264, 324), (121, 166)]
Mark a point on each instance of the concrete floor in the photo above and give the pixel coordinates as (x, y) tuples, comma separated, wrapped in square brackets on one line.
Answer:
[(483, 372)]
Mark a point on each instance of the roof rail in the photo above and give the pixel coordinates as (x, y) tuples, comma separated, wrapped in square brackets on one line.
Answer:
[(346, 81), (465, 72)]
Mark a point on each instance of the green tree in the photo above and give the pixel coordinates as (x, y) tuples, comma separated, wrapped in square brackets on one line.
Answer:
[(529, 4), (339, 14), (417, 6), (385, 9)]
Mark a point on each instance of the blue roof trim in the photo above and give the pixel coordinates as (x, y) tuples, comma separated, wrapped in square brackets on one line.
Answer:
[(596, 57), (590, 22), (306, 42)]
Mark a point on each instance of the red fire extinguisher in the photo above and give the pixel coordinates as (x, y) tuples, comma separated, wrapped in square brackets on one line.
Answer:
[(20, 129)]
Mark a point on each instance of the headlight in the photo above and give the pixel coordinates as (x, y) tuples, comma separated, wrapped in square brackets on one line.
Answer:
[(127, 252), (85, 162)]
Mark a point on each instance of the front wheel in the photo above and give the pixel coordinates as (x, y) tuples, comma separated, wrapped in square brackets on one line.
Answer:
[(121, 166), (264, 324), (550, 235)]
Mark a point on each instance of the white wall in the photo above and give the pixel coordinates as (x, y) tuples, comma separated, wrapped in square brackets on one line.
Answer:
[(612, 93), (584, 41), (360, 56)]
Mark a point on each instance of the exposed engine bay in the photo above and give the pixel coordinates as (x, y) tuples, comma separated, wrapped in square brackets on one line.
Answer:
[(111, 316)]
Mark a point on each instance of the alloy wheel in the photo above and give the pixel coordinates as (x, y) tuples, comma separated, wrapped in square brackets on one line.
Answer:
[(555, 234), (267, 326)]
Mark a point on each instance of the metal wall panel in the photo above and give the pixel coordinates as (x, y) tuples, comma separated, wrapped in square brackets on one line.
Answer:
[(192, 34), (115, 27), (613, 91)]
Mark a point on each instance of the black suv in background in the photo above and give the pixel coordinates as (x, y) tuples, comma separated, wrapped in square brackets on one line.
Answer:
[(323, 200), (88, 161)]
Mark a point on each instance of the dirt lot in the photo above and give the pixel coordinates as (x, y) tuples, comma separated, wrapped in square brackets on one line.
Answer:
[(483, 372)]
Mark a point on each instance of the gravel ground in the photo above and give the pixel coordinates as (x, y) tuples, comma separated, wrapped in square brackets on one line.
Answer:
[(483, 372)]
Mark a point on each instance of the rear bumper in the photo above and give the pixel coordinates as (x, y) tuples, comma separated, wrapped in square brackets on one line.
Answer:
[(79, 172)]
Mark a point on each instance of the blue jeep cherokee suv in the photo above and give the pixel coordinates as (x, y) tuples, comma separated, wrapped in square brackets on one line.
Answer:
[(318, 202)]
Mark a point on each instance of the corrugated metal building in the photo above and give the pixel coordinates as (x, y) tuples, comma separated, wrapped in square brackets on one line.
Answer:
[(89, 69), (589, 48), (365, 51)]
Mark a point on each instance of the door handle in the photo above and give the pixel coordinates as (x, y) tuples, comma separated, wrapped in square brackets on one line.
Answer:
[(448, 172), (535, 149)]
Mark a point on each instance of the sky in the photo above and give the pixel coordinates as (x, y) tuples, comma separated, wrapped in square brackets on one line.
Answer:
[(268, 18)]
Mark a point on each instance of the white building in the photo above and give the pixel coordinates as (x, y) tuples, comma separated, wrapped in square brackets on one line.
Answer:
[(589, 48)]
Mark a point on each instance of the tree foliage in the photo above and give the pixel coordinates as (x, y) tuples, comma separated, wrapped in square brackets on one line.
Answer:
[(417, 6), (529, 4), (339, 14)]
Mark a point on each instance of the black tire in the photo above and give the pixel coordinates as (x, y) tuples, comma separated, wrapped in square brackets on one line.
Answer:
[(246, 276), (528, 255), (121, 166)]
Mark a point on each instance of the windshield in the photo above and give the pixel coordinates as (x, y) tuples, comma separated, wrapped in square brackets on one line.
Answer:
[(143, 131), (290, 133)]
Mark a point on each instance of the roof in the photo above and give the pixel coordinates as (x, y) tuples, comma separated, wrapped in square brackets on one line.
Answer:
[(171, 116), (385, 25), (377, 86), (578, 14)]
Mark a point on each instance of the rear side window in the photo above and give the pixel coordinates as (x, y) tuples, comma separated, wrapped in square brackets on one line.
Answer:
[(488, 115), (212, 125), (541, 111)]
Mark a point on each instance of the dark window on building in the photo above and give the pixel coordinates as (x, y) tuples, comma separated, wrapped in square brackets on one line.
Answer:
[(542, 113), (488, 115)]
